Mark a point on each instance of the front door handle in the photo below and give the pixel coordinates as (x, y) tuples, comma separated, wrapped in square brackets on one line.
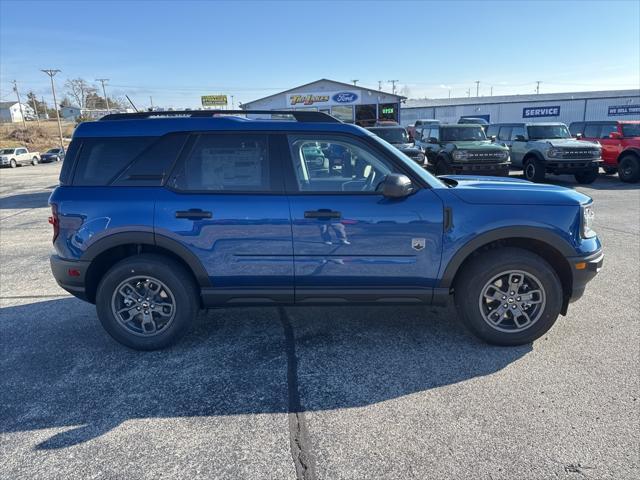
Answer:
[(193, 214), (322, 214)]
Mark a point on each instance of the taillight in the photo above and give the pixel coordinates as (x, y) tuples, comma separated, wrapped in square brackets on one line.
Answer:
[(54, 221)]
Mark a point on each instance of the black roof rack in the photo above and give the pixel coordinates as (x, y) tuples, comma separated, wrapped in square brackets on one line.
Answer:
[(299, 115)]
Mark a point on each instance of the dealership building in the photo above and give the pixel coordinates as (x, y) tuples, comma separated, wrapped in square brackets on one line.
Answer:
[(346, 102), (551, 107)]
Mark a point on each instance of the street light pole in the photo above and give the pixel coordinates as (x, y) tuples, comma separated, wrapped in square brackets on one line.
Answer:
[(104, 93), (51, 74)]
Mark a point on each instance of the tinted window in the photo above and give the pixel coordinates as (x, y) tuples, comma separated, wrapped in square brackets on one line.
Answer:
[(223, 162), (505, 133), (336, 165), (515, 131), (101, 160), (543, 132), (460, 134), (631, 130), (434, 132), (576, 128), (69, 160), (592, 130), (392, 135), (493, 130), (153, 165), (607, 128)]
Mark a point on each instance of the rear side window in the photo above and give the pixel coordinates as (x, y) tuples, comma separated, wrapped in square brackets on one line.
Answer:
[(592, 130), (69, 160), (101, 160), (515, 131), (225, 163)]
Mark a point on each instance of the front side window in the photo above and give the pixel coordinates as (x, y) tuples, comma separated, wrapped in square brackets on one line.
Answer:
[(576, 128), (592, 130), (540, 132), (461, 134), (434, 133), (608, 128), (336, 165), (225, 163), (493, 130)]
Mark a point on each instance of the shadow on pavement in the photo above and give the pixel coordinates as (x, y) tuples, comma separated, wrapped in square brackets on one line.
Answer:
[(25, 200), (59, 369)]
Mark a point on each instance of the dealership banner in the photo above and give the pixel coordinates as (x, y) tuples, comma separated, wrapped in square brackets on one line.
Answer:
[(615, 110), (213, 100), (323, 99), (535, 112)]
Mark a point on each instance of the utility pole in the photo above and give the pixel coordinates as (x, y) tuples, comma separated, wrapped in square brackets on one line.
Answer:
[(393, 85), (355, 81), (232, 104), (468, 92), (491, 94), (151, 100), (477, 82), (104, 93), (449, 94), (51, 74), (15, 89), (35, 106), (380, 85), (538, 82)]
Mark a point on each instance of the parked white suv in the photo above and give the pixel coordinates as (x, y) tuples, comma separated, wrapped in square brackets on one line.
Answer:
[(12, 157)]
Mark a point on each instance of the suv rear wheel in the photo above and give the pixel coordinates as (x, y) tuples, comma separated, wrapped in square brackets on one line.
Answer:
[(508, 296), (586, 177), (147, 302), (34, 161), (629, 168), (534, 170)]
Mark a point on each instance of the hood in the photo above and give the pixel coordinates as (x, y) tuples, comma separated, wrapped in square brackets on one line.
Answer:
[(406, 147), (569, 142), (512, 191), (479, 145)]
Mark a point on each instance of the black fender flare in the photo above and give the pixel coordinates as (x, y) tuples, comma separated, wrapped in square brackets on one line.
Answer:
[(503, 233), (629, 151), (533, 153), (151, 239)]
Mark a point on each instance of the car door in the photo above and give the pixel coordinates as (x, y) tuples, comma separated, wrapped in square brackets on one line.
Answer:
[(21, 155), (225, 203), (351, 243), (518, 145), (504, 135), (611, 147)]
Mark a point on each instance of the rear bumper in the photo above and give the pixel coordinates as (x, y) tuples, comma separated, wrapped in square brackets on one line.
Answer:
[(571, 166), (583, 270), (70, 275)]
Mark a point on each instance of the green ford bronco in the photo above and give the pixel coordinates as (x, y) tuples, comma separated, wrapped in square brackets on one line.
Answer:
[(462, 149)]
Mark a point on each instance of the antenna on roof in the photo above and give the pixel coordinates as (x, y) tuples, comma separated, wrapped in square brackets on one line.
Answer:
[(134, 107)]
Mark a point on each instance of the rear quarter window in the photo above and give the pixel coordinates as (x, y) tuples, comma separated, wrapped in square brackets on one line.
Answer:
[(101, 160)]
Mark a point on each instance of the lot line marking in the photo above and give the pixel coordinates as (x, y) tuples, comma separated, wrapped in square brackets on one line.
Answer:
[(298, 432)]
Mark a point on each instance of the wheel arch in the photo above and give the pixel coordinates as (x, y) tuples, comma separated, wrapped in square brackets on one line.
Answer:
[(633, 151), (533, 154), (109, 250), (547, 245)]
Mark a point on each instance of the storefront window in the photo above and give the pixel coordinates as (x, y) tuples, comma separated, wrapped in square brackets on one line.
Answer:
[(366, 115), (388, 111), (343, 112)]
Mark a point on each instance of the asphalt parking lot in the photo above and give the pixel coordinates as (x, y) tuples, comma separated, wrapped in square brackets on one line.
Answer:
[(315, 393)]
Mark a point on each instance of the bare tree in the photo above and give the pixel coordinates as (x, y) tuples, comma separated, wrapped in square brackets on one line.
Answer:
[(79, 89)]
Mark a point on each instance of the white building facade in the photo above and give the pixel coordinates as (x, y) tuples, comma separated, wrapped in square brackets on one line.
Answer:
[(10, 112), (553, 107)]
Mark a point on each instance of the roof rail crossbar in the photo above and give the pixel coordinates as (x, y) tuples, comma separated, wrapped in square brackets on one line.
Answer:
[(299, 115)]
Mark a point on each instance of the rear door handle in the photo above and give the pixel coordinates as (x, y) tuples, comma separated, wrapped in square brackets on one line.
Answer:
[(193, 214), (322, 214)]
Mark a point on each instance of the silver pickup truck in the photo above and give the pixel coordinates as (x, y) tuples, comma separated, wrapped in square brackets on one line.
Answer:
[(541, 148), (12, 157)]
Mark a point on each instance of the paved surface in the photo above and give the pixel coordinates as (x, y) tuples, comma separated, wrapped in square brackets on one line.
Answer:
[(319, 393)]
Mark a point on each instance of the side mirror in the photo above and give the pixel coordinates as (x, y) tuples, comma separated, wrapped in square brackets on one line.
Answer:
[(520, 138), (492, 138), (396, 185), (615, 135), (433, 140), (578, 136)]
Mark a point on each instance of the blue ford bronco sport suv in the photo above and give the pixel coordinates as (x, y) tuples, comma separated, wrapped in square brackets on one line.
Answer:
[(158, 215)]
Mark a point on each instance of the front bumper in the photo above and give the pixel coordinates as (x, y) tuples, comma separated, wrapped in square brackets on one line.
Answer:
[(495, 169), (70, 275), (559, 167), (583, 270)]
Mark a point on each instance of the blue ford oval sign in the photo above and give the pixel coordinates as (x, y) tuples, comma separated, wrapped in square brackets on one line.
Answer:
[(345, 97)]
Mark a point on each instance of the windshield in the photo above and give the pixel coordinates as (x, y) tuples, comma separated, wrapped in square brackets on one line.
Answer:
[(538, 132), (462, 134), (631, 130), (53, 150), (392, 135), (7, 151), (410, 164)]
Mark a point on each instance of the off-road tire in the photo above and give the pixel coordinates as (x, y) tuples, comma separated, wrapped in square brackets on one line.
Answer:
[(629, 168), (587, 176), (534, 170)]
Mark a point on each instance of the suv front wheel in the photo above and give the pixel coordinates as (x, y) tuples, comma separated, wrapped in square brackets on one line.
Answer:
[(534, 170), (508, 296), (586, 177), (147, 302)]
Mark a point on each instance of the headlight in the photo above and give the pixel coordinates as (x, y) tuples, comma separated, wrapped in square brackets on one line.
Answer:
[(460, 155), (505, 155), (555, 153), (595, 153), (587, 221)]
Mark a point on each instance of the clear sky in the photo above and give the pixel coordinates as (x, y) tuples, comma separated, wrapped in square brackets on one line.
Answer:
[(179, 50)]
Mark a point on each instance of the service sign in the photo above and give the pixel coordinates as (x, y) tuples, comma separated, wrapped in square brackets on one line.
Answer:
[(535, 112), (213, 100), (322, 99), (616, 110)]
